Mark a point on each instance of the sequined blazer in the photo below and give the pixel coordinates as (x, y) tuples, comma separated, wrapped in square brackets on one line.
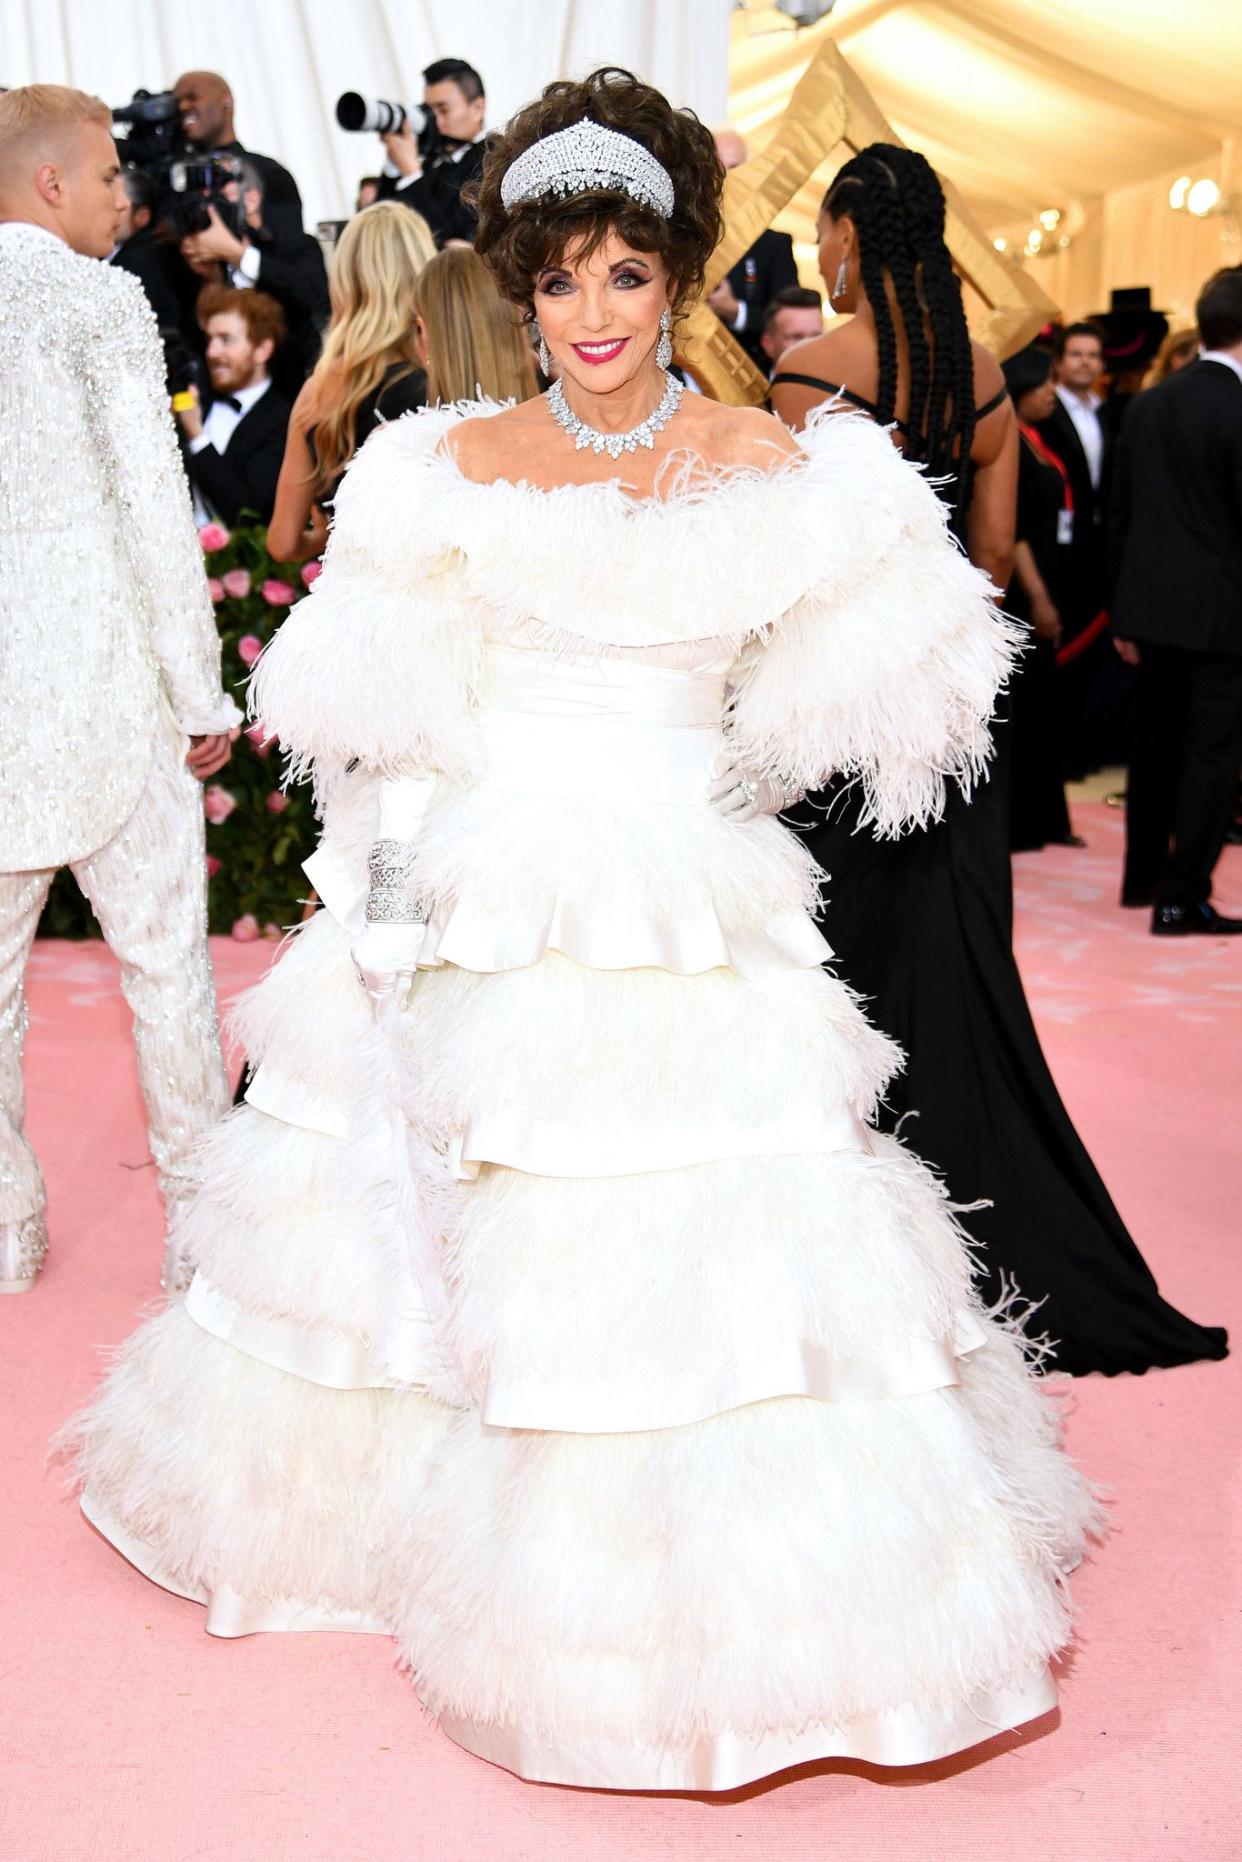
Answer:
[(106, 624)]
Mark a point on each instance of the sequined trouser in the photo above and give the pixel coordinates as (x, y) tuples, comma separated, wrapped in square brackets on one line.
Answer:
[(148, 887)]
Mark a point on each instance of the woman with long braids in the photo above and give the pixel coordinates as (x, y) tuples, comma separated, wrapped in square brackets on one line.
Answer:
[(922, 927)]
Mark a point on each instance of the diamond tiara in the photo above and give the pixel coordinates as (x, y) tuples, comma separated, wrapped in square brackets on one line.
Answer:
[(587, 157)]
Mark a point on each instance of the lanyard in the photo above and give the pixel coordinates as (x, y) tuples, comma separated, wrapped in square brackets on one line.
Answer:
[(1042, 450)]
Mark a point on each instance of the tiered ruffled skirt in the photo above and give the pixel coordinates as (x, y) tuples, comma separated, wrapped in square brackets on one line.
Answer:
[(572, 1327)]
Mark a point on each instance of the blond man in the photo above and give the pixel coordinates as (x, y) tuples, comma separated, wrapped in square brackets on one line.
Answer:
[(111, 709)]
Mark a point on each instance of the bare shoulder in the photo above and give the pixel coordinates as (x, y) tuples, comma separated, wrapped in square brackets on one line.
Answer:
[(989, 377), (736, 436), (487, 446), (830, 357)]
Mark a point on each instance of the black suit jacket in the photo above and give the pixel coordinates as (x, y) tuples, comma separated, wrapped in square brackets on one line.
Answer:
[(755, 280), (157, 266), (282, 203), (437, 195), (1086, 575), (1176, 513), (291, 269), (243, 477)]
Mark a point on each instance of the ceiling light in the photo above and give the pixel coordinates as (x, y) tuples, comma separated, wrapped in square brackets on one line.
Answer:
[(1178, 193), (1050, 219), (1203, 197), (1002, 245)]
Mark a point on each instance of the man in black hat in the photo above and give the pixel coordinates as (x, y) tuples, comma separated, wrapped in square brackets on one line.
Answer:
[(1177, 613)]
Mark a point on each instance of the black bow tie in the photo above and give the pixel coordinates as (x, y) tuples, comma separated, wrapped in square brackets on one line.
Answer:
[(229, 400)]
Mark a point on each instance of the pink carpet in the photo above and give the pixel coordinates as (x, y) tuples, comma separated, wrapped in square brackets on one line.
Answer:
[(126, 1734)]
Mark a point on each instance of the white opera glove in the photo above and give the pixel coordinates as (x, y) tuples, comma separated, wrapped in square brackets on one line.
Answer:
[(386, 951), (739, 795)]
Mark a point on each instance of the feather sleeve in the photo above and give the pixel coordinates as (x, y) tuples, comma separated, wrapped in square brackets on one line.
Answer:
[(381, 662), (887, 666)]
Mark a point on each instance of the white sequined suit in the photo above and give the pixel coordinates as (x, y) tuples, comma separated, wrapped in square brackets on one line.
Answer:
[(109, 659)]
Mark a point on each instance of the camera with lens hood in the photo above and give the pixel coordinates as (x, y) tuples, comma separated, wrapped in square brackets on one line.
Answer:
[(382, 118)]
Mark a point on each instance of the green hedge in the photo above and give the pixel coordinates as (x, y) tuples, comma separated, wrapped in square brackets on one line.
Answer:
[(258, 834)]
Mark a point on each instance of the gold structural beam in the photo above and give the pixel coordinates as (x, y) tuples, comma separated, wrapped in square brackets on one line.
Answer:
[(831, 107)]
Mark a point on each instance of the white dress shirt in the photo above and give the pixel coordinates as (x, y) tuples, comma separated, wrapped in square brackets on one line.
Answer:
[(218, 429), (1086, 418)]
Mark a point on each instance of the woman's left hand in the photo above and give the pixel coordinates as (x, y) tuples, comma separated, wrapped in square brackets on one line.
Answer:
[(740, 796)]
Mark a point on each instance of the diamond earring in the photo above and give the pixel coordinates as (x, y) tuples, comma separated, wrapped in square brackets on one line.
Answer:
[(545, 359), (839, 286), (664, 348)]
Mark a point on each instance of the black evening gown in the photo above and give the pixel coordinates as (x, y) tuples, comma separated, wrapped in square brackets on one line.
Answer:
[(1038, 814), (922, 928)]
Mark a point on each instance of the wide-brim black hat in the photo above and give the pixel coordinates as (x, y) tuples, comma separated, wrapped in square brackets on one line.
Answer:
[(1132, 331)]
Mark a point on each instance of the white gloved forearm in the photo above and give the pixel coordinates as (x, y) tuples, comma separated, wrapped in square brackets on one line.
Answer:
[(740, 795), (386, 951)]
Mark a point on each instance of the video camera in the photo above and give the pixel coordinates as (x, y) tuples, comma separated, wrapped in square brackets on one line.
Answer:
[(189, 181), (355, 112)]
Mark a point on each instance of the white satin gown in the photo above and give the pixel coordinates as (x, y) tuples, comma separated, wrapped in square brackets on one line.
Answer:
[(571, 1324)]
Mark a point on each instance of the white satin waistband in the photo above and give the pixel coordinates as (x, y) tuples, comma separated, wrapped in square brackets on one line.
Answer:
[(601, 689), (598, 729)]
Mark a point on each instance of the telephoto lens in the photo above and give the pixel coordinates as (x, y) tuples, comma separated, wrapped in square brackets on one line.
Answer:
[(353, 111)]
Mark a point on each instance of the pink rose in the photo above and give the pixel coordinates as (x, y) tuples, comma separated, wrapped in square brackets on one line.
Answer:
[(218, 803), (273, 931), (276, 593), (311, 572), (213, 866), (277, 802), (249, 648), (215, 588), (214, 537), (236, 583), (246, 929)]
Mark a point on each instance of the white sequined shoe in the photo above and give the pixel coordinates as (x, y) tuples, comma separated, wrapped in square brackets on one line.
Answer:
[(22, 1248)]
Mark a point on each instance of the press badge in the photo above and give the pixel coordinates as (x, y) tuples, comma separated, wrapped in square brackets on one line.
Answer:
[(1065, 526)]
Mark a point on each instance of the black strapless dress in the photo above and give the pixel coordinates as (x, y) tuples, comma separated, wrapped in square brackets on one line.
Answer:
[(923, 929)]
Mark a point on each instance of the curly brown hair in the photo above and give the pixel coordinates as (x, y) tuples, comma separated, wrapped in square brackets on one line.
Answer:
[(521, 243)]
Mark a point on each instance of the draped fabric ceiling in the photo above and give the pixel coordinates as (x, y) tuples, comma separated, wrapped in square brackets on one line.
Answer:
[(1029, 105)]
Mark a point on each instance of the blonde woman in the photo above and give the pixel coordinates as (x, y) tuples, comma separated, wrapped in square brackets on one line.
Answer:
[(1176, 352), (369, 370), (471, 342)]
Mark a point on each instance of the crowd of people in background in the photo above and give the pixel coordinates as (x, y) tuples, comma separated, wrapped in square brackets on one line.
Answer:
[(287, 375)]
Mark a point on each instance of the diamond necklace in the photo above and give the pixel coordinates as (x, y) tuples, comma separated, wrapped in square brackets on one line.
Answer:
[(614, 444)]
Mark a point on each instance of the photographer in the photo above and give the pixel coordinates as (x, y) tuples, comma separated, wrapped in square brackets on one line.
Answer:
[(206, 105), (431, 179), (235, 444), (287, 266), (152, 261)]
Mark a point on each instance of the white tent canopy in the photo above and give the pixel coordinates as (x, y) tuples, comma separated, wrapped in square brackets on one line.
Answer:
[(1086, 107), (288, 60)]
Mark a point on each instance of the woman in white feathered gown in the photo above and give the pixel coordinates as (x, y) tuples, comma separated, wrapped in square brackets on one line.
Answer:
[(558, 1312)]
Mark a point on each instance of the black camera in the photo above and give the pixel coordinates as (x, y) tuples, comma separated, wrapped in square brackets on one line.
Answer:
[(382, 118), (196, 185), (153, 136)]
